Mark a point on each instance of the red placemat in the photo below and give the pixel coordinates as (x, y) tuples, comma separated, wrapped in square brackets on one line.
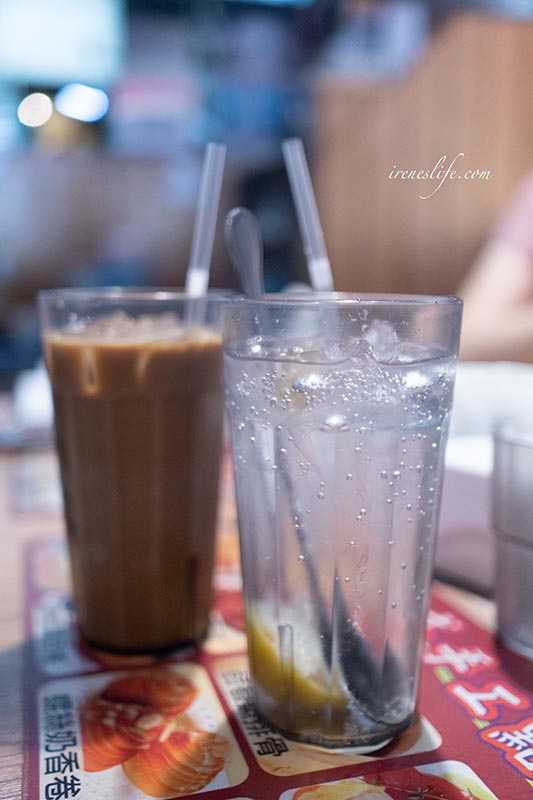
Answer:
[(104, 726)]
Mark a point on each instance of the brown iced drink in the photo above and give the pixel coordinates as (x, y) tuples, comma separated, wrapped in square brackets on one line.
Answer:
[(138, 417)]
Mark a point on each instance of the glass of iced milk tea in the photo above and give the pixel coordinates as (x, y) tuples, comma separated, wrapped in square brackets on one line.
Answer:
[(339, 410), (138, 401)]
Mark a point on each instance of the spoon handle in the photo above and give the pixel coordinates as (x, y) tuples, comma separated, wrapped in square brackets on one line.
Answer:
[(244, 242)]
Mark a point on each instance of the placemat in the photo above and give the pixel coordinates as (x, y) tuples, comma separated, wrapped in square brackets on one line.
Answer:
[(105, 726)]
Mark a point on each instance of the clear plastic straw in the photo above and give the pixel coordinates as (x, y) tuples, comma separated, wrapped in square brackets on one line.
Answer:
[(318, 262), (197, 277)]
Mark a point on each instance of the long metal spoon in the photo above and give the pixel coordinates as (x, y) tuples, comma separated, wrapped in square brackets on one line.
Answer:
[(245, 245), (371, 687)]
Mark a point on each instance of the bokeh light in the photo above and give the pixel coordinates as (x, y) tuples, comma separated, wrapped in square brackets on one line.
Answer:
[(84, 103), (35, 110)]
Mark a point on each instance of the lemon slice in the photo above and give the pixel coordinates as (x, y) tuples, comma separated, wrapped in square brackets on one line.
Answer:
[(288, 664), (344, 790)]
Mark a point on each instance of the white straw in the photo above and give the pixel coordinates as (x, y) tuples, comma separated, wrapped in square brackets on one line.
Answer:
[(197, 278), (310, 228)]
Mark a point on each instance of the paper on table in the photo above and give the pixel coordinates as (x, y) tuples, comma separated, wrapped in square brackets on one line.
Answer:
[(32, 398), (26, 422)]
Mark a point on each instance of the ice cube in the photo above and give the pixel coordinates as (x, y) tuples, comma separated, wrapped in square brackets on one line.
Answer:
[(389, 348)]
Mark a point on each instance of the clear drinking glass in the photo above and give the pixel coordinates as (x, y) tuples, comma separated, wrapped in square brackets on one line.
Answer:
[(138, 401), (512, 514), (339, 410)]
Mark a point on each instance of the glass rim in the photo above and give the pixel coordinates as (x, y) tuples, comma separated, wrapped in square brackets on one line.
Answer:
[(344, 299), (515, 430), (134, 293)]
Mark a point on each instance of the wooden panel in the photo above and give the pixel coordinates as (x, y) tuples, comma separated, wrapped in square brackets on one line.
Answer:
[(471, 93)]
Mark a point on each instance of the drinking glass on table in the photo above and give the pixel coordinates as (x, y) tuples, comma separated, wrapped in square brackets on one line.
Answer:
[(138, 399), (339, 409), (512, 514)]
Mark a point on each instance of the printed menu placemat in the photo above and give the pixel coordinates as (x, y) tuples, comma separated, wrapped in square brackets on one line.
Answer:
[(106, 726)]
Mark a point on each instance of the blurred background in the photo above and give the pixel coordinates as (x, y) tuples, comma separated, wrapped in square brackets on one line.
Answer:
[(106, 106)]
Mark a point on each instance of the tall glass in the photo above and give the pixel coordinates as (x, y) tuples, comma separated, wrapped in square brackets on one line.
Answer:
[(339, 410), (138, 401), (512, 515)]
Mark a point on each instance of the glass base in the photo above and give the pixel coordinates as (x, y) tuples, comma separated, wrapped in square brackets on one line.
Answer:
[(515, 644), (356, 745), (159, 650)]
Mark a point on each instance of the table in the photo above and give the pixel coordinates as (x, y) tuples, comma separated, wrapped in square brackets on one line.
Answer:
[(33, 478), (31, 522)]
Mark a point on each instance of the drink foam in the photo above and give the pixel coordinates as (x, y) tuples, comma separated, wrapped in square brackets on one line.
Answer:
[(121, 327)]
